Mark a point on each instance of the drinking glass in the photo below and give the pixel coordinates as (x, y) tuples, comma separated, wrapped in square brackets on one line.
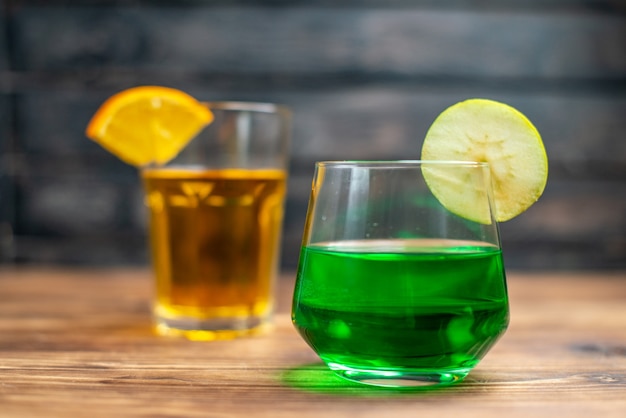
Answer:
[(215, 224), (392, 288)]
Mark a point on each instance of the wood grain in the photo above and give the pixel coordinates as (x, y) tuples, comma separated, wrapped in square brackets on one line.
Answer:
[(313, 40), (79, 343)]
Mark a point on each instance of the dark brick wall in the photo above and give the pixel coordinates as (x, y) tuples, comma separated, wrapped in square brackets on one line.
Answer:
[(364, 78)]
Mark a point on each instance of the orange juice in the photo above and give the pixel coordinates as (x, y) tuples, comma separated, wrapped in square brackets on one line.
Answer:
[(215, 238)]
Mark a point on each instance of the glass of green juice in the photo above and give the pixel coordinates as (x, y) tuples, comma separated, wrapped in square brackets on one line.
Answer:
[(393, 288)]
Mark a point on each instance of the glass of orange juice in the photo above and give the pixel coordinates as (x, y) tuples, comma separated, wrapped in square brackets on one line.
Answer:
[(215, 218)]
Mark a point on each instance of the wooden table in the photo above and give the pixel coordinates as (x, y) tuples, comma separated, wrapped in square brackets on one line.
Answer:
[(78, 343)]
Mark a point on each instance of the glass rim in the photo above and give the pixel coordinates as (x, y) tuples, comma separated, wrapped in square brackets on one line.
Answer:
[(243, 106), (399, 163)]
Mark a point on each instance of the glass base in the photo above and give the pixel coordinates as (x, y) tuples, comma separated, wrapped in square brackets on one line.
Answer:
[(409, 378), (210, 329)]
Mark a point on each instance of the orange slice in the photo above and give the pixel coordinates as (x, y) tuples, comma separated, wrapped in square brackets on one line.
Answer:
[(148, 124)]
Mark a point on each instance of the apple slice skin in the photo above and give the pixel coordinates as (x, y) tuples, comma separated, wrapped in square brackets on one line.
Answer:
[(484, 130)]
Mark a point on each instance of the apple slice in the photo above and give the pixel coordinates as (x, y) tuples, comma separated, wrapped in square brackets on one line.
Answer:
[(483, 130)]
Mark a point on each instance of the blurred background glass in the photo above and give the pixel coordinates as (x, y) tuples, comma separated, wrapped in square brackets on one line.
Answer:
[(364, 78)]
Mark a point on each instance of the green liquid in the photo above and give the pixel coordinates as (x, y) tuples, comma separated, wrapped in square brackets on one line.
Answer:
[(401, 305)]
